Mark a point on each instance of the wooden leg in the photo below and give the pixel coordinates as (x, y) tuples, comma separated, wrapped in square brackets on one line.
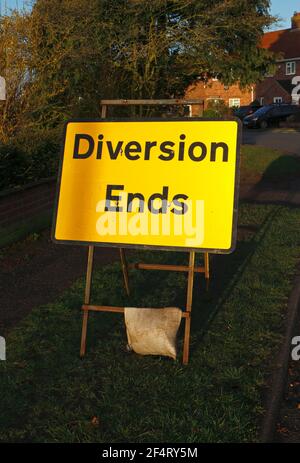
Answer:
[(206, 266), (125, 271), (83, 332), (104, 111), (87, 297), (186, 343)]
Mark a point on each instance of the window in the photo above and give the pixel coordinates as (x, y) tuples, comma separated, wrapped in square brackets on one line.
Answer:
[(277, 99), (188, 111), (234, 102), (290, 68)]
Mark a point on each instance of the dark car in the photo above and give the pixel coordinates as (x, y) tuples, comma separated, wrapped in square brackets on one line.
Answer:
[(270, 115), (244, 111)]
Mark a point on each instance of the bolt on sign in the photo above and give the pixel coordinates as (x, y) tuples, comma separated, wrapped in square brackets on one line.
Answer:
[(161, 184)]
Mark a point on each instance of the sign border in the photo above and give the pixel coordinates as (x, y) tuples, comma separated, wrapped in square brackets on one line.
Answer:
[(152, 246)]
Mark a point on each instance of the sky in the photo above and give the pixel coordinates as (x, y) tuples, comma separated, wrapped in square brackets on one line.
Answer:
[(282, 8), (12, 4), (285, 9)]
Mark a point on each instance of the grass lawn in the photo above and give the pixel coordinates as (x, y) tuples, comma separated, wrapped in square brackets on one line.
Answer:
[(49, 395), (267, 163)]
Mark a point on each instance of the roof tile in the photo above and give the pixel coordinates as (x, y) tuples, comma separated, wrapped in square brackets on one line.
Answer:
[(285, 41)]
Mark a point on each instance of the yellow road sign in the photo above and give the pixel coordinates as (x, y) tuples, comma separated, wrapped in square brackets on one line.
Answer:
[(165, 184)]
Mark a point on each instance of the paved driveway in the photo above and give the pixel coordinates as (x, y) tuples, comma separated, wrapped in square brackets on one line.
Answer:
[(287, 140)]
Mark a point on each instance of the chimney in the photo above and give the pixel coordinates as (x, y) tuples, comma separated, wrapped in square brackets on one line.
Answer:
[(296, 20)]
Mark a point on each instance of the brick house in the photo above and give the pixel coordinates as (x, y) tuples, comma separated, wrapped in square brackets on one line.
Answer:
[(285, 43), (214, 90), (274, 89)]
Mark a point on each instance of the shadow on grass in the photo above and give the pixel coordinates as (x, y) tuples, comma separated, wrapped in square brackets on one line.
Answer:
[(226, 270), (284, 167), (279, 183), (49, 395), (166, 289)]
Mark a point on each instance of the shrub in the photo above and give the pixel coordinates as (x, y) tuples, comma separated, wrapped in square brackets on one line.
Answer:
[(211, 113), (13, 166), (216, 109), (30, 156), (42, 148)]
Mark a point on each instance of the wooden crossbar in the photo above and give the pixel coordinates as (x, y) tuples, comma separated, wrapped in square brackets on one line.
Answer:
[(170, 268), (191, 269), (171, 102), (108, 308)]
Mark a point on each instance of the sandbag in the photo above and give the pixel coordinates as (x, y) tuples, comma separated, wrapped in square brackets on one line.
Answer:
[(153, 331)]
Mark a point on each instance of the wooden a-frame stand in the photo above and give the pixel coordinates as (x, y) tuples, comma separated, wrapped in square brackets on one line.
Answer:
[(190, 269)]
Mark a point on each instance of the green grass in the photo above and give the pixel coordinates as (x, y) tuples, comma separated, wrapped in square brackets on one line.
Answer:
[(49, 395), (267, 163)]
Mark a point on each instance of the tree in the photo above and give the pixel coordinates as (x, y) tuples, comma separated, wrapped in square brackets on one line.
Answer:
[(66, 60), (13, 67), (66, 55), (163, 45)]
